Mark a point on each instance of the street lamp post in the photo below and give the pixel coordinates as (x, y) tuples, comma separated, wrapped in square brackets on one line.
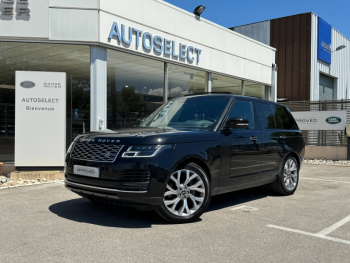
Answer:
[(337, 49)]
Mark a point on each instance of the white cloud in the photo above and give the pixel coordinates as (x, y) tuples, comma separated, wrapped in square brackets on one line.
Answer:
[(177, 92), (174, 92), (156, 92)]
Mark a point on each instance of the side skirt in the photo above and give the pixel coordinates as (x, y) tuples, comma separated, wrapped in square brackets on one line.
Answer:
[(223, 190)]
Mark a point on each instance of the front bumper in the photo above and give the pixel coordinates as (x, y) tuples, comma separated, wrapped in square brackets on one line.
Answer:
[(136, 182), (140, 200)]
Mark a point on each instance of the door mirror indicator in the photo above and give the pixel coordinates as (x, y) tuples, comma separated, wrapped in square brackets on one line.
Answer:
[(237, 123)]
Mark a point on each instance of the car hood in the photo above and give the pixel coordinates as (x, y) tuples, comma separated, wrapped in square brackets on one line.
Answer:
[(148, 135)]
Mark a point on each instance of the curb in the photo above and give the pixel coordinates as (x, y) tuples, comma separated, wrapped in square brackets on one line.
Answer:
[(16, 186), (342, 165)]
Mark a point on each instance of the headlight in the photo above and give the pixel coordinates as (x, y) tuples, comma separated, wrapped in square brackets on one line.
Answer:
[(144, 151)]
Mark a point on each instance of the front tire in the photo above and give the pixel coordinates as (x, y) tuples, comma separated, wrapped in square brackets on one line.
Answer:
[(288, 178), (186, 196)]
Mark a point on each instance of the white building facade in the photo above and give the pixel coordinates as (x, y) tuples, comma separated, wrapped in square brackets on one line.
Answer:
[(313, 58), (123, 59)]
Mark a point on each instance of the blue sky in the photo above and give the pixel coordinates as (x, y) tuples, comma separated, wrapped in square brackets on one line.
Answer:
[(229, 13)]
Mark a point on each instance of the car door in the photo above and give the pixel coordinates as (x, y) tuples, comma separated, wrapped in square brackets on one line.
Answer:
[(245, 147), (271, 150), (287, 131)]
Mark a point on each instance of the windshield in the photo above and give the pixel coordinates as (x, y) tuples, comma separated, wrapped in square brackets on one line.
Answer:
[(201, 112)]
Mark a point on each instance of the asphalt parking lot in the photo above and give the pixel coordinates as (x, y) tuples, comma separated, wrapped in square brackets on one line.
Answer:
[(47, 223)]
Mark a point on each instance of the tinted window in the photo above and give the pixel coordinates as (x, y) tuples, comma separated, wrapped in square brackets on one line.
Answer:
[(202, 112), (284, 119), (265, 116), (243, 109)]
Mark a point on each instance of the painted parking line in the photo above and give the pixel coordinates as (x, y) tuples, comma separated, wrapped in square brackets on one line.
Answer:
[(311, 234), (325, 180), (323, 233), (330, 229), (245, 208)]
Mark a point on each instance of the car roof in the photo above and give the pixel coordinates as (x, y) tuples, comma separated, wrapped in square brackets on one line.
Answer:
[(231, 95)]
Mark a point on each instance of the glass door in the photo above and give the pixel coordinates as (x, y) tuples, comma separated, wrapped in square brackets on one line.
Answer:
[(7, 123)]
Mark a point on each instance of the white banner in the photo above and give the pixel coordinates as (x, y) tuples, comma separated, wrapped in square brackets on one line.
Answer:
[(40, 137), (320, 120)]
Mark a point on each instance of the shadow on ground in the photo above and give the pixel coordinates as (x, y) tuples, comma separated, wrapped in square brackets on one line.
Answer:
[(239, 197), (85, 211)]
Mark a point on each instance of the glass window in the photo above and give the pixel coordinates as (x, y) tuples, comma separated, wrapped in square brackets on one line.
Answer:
[(184, 81), (202, 112), (254, 90), (134, 88), (72, 59), (284, 119), (226, 84), (265, 116), (243, 109)]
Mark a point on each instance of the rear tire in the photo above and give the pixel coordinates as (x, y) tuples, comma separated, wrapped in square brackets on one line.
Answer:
[(288, 178), (186, 196)]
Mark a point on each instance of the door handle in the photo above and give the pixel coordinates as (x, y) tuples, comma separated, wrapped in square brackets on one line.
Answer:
[(253, 138)]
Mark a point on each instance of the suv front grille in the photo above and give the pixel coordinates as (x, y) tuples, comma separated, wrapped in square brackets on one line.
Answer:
[(95, 152)]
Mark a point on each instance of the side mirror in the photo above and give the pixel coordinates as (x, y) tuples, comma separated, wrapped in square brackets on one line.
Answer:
[(237, 123)]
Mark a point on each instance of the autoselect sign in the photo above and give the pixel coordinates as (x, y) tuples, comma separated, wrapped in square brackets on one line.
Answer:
[(160, 45), (320, 120), (40, 119)]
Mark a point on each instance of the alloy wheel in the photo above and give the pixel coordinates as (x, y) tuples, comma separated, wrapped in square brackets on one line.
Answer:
[(185, 193), (290, 174)]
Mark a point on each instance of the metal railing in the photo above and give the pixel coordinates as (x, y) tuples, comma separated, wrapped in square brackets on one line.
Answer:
[(322, 138)]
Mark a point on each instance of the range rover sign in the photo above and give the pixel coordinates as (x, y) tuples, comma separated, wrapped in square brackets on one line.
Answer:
[(27, 84), (320, 120), (333, 120), (40, 137)]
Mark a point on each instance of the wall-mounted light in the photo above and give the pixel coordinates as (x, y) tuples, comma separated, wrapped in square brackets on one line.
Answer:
[(339, 48), (198, 10)]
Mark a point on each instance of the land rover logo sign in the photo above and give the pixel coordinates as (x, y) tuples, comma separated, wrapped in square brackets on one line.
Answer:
[(27, 84), (333, 120)]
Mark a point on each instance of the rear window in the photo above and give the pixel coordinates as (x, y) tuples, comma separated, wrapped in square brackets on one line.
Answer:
[(283, 118), (265, 116)]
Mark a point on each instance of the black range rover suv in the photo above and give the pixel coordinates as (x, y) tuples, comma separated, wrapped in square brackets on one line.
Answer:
[(188, 150)]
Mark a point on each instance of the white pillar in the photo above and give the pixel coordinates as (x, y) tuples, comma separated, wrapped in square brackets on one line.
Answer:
[(208, 83), (166, 82), (98, 88), (274, 83), (243, 88)]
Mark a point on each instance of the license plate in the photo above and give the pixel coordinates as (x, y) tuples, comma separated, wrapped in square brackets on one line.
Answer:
[(87, 171)]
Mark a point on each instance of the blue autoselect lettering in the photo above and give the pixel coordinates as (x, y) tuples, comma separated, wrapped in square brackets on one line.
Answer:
[(157, 43)]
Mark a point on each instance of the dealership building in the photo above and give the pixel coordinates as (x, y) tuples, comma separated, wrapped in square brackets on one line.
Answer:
[(120, 60), (313, 58)]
